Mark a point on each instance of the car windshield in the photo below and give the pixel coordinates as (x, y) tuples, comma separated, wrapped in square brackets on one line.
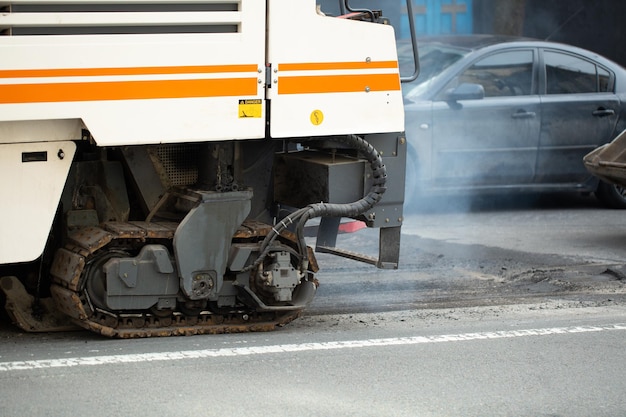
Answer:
[(433, 59)]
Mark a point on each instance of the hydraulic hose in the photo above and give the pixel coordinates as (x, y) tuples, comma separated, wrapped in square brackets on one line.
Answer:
[(301, 216)]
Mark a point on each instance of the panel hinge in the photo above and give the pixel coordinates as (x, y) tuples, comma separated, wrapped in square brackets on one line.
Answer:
[(268, 75)]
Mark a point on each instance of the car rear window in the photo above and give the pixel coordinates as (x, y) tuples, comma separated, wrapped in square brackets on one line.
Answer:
[(569, 74)]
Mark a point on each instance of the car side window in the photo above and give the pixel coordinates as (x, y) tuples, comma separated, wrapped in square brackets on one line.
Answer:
[(569, 74), (508, 73), (604, 81)]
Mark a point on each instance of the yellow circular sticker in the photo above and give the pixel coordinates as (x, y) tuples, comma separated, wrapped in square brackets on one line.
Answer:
[(317, 117)]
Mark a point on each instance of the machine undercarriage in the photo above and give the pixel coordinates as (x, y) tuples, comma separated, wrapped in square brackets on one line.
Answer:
[(210, 256)]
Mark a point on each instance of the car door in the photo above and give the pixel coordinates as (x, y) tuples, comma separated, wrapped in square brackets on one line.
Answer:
[(579, 113), (490, 141)]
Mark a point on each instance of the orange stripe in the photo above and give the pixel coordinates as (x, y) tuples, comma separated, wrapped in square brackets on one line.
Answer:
[(338, 84), (126, 90), (91, 72), (314, 66)]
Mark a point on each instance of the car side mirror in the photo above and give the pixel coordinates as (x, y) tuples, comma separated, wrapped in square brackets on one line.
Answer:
[(466, 91)]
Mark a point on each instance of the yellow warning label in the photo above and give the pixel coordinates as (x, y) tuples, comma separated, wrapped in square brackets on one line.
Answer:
[(250, 108), (317, 117)]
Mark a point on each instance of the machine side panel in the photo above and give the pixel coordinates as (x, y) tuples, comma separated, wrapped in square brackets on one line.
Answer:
[(148, 72), (331, 75), (32, 176)]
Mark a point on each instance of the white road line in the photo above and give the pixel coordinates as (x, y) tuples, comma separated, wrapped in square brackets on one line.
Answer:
[(302, 347)]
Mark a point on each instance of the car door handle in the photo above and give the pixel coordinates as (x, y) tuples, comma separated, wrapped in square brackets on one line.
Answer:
[(603, 112), (522, 114)]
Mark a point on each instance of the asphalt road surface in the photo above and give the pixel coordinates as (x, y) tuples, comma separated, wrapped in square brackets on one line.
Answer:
[(499, 308), (487, 252)]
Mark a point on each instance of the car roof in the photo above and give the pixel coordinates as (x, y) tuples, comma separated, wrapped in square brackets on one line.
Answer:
[(472, 42), (476, 42)]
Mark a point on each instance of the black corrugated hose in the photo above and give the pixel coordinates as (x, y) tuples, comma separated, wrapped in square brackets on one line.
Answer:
[(301, 216)]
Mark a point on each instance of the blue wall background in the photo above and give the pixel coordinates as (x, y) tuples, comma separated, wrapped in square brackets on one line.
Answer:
[(439, 17), (432, 17)]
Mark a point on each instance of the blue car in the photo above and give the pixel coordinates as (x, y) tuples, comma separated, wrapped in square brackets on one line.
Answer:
[(492, 114)]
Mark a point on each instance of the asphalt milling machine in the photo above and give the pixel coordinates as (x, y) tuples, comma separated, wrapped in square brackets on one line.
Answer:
[(159, 160)]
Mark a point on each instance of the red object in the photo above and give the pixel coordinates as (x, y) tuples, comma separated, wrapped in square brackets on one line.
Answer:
[(351, 227)]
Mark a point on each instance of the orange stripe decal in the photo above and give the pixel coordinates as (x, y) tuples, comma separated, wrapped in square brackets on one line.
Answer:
[(126, 90), (315, 66), (91, 72), (338, 84)]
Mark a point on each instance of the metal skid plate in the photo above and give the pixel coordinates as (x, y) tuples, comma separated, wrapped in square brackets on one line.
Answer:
[(199, 241)]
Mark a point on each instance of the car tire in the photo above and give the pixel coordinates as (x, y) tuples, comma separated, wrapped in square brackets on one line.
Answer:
[(611, 195)]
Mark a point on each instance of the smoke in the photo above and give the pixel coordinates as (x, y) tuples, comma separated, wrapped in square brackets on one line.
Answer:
[(573, 22)]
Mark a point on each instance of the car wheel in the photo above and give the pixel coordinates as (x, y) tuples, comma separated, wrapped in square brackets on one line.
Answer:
[(611, 195)]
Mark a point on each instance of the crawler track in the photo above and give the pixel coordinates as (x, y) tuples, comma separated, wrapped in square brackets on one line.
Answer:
[(68, 288)]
